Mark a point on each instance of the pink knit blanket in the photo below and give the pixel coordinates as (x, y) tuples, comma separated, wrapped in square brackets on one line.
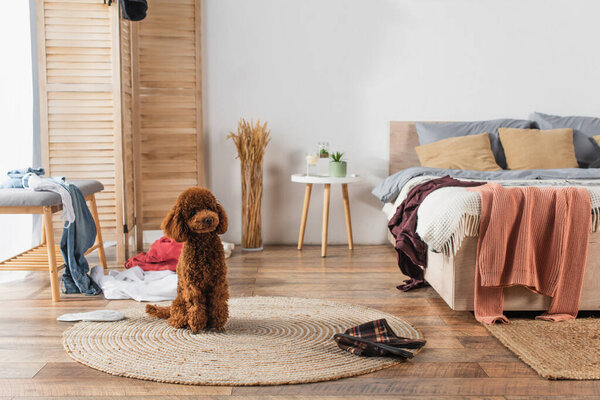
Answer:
[(535, 237)]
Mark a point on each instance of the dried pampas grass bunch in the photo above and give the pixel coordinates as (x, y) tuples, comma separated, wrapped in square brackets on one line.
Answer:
[(251, 140)]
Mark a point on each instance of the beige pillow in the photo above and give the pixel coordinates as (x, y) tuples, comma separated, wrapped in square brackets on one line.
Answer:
[(463, 152), (536, 149), (597, 139)]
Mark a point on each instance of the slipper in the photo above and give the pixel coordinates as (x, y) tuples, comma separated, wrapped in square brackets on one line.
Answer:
[(376, 338), (97, 315)]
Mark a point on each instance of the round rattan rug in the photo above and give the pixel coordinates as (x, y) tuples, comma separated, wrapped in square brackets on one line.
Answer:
[(267, 341)]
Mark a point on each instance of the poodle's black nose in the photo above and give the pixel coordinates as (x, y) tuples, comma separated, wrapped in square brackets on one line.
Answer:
[(208, 221)]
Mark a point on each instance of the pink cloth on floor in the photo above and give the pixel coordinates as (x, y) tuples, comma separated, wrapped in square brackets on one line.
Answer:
[(162, 255), (535, 237)]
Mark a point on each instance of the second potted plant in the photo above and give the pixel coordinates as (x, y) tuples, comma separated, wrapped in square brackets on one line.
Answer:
[(337, 166)]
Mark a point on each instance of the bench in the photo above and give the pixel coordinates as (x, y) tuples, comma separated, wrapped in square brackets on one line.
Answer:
[(44, 256)]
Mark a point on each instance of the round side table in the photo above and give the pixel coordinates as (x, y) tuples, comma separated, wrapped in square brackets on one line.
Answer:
[(326, 181)]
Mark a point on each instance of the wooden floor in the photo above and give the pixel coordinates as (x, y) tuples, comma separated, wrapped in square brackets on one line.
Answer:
[(461, 360)]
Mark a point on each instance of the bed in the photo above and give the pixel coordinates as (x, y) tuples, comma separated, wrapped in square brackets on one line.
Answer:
[(452, 273)]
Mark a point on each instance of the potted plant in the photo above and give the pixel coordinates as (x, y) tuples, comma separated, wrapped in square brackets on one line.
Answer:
[(337, 166)]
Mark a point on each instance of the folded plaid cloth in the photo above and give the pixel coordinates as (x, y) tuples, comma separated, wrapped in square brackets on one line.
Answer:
[(375, 339)]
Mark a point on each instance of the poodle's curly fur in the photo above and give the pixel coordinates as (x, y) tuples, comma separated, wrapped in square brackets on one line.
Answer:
[(197, 220)]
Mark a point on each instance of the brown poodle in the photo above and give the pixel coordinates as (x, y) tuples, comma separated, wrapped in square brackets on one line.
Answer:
[(197, 219)]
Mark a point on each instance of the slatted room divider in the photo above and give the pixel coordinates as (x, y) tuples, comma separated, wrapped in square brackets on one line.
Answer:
[(121, 102), (80, 101), (128, 156), (168, 101)]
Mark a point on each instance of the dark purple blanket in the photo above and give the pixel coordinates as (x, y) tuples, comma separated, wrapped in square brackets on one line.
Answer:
[(411, 250)]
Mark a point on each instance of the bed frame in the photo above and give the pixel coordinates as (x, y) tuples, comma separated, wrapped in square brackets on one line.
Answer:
[(454, 277)]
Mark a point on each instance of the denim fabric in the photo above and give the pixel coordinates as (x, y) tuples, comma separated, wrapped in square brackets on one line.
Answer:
[(76, 240), (19, 173), (12, 183)]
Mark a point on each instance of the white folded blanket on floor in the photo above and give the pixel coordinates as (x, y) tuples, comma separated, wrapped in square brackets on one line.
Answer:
[(137, 284)]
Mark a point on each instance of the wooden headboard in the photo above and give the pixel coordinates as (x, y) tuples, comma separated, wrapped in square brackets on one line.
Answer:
[(403, 140)]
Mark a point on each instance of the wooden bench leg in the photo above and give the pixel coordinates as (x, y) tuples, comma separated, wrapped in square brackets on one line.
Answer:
[(304, 215), (43, 239), (51, 246), (99, 242)]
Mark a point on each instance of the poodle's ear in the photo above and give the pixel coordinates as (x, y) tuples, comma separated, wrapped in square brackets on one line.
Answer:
[(223, 223), (174, 225)]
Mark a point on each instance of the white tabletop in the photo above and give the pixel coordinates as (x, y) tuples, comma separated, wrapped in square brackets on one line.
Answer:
[(324, 179)]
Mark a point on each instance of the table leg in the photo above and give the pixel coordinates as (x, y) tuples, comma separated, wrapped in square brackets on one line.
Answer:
[(326, 195), (347, 211), (304, 214)]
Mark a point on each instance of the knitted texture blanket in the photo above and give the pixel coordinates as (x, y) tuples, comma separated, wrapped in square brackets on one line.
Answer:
[(534, 237), (450, 214), (410, 249)]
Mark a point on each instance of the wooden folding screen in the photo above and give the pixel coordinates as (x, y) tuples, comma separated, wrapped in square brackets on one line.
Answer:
[(129, 184), (121, 102), (167, 86), (80, 101)]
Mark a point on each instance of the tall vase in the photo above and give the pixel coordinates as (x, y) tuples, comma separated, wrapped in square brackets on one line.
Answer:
[(252, 186)]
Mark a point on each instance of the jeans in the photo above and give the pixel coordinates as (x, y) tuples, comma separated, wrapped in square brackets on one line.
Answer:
[(76, 239), (12, 183), (19, 173)]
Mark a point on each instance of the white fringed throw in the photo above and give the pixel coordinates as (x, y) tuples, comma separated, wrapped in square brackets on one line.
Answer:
[(450, 214)]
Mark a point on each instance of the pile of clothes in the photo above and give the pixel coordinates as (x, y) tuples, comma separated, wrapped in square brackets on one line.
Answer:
[(79, 230), (162, 255), (149, 276)]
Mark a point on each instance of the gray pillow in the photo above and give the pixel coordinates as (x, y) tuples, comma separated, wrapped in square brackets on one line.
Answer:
[(583, 129), (429, 133)]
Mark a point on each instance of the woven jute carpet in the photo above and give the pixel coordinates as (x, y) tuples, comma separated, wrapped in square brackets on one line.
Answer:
[(555, 350), (267, 341)]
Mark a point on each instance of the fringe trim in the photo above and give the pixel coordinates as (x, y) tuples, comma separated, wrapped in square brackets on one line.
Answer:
[(469, 227)]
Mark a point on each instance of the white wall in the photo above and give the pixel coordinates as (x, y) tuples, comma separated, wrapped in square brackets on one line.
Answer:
[(16, 115), (340, 70)]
